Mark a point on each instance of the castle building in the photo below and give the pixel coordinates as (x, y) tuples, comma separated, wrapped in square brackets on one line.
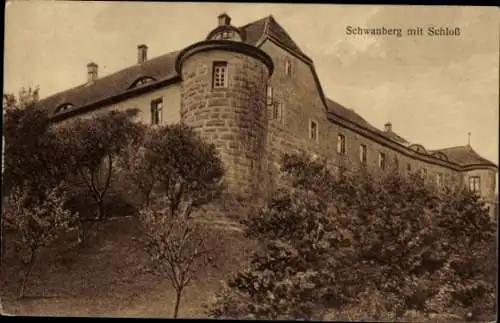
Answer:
[(252, 92)]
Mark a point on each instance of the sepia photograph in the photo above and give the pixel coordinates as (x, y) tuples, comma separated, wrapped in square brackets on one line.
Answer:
[(251, 161)]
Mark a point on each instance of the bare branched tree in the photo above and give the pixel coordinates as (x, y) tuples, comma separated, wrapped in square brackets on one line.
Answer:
[(178, 247)]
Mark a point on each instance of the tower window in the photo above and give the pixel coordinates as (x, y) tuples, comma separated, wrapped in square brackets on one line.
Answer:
[(475, 184), (156, 111), (362, 154), (381, 160), (313, 130), (277, 111), (269, 95), (219, 75), (288, 67), (341, 144)]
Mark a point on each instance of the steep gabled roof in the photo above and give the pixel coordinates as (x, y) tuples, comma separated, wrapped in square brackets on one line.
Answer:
[(254, 31), (464, 156), (275, 30), (349, 115)]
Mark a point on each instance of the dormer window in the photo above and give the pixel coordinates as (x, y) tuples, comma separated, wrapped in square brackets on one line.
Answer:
[(219, 77), (64, 107), (227, 34), (142, 81)]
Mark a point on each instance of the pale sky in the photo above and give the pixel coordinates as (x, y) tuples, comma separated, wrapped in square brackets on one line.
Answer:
[(434, 90)]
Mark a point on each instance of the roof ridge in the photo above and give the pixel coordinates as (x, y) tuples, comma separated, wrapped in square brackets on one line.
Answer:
[(451, 147), (253, 22)]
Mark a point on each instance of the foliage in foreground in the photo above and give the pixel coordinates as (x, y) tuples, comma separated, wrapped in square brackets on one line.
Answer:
[(351, 246), (37, 222), (81, 152), (175, 164)]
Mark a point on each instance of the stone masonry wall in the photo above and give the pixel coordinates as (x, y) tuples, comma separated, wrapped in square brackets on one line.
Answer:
[(300, 101), (232, 118)]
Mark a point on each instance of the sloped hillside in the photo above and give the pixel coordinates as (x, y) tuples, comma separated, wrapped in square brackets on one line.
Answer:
[(110, 277)]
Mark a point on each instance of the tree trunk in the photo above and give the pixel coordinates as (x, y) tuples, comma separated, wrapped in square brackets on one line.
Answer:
[(26, 275), (177, 303), (100, 210)]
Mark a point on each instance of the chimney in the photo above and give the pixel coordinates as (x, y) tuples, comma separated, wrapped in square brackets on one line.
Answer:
[(91, 72), (142, 53), (224, 19), (388, 127)]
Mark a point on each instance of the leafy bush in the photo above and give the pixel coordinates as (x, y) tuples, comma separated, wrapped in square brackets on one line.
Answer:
[(37, 222), (31, 150), (180, 173), (353, 243), (93, 145), (174, 167)]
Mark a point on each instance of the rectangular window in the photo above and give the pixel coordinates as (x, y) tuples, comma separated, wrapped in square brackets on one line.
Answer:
[(439, 179), (156, 111), (408, 168), (475, 184), (277, 111), (219, 77), (313, 131), (341, 144), (288, 67), (381, 160), (269, 95), (362, 154), (424, 172)]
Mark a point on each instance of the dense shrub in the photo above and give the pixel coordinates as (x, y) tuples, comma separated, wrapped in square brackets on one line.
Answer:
[(174, 167), (351, 243)]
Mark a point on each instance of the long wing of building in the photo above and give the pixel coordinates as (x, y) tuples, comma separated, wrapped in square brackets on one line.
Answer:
[(207, 85)]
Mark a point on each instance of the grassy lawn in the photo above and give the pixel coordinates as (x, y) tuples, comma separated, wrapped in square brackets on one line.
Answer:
[(110, 277)]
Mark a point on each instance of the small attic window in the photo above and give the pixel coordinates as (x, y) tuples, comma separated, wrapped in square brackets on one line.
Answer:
[(441, 156), (64, 107), (225, 33), (418, 148), (141, 81)]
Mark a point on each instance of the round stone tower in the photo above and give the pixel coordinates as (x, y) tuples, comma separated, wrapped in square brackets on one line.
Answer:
[(223, 97)]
